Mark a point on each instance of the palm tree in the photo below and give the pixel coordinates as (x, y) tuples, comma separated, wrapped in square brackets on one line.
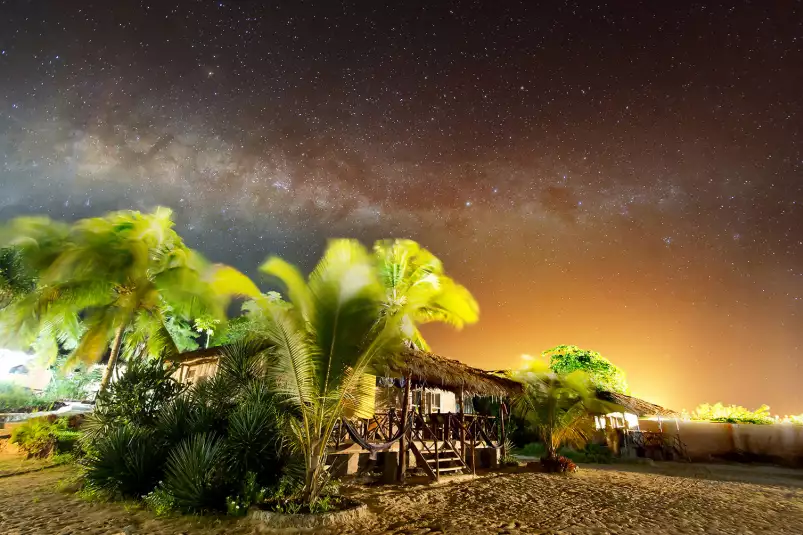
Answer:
[(558, 408), (324, 341), (120, 273), (418, 291), (16, 279)]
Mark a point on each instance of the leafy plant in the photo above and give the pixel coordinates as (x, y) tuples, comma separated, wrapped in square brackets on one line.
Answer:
[(732, 414), (124, 461), (35, 438), (72, 384), (41, 437), (418, 291), (14, 397), (565, 359), (252, 444), (193, 471), (796, 419), (251, 493), (160, 501), (136, 397), (120, 273), (557, 407), (323, 345)]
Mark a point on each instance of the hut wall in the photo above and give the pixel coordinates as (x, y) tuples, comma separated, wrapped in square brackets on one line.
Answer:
[(192, 373), (710, 441)]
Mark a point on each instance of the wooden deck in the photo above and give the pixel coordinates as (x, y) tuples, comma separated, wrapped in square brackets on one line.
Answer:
[(441, 443)]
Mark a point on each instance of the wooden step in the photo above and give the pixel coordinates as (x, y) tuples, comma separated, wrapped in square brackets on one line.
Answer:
[(450, 469), (451, 459)]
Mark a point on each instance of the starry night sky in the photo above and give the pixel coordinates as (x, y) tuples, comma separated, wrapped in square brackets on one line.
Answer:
[(626, 177)]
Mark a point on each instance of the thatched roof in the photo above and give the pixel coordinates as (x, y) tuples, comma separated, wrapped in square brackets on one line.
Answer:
[(432, 370), (425, 369), (199, 356), (636, 406)]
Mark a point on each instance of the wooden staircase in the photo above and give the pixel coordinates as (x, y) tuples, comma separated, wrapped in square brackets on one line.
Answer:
[(437, 458)]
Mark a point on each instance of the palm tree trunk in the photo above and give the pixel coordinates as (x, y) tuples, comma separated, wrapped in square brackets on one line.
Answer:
[(115, 353)]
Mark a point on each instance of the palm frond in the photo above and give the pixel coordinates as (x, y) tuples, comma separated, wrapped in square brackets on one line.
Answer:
[(293, 280)]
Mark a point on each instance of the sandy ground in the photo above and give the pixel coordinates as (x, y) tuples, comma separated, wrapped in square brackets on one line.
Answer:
[(637, 500)]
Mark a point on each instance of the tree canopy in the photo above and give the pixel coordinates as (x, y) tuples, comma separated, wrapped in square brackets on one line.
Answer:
[(418, 291), (604, 375), (122, 275)]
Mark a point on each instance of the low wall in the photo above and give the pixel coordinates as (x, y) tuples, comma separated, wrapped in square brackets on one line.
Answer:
[(711, 441)]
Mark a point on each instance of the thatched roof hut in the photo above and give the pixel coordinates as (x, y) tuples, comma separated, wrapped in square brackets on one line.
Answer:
[(423, 368), (431, 370), (636, 406)]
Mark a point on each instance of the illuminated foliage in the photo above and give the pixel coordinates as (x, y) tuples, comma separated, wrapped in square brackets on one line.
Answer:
[(418, 290), (121, 274), (557, 407), (604, 375), (734, 414), (324, 340)]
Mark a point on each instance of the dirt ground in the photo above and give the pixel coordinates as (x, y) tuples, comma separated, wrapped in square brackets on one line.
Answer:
[(664, 499)]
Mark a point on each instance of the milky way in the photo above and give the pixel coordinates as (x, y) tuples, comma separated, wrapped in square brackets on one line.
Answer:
[(627, 177)]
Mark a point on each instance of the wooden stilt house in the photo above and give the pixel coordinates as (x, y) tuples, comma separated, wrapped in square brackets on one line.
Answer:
[(424, 417)]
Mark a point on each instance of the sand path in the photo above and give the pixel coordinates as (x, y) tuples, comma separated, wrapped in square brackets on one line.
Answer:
[(593, 501)]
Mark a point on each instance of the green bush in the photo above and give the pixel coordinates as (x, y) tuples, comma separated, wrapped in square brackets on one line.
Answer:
[(251, 445), (251, 493), (733, 414), (533, 449), (41, 437), (14, 398), (220, 438), (72, 385), (592, 453), (124, 462), (138, 395), (34, 438), (160, 501), (193, 471)]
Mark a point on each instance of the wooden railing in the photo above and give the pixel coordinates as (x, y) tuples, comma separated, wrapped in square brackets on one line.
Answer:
[(481, 430)]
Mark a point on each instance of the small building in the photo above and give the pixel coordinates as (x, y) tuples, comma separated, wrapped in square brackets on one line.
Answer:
[(422, 406), (637, 428)]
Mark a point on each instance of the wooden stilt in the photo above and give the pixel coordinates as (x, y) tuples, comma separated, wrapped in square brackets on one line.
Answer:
[(462, 426), (502, 435), (404, 442)]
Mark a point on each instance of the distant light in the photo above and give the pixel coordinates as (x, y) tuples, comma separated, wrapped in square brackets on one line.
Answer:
[(9, 359), (468, 203)]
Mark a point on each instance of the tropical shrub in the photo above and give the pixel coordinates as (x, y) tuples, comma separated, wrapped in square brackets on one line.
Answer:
[(123, 461), (564, 360), (194, 472), (137, 396), (734, 414), (251, 493), (75, 384), (203, 443), (160, 501), (14, 398), (42, 437), (591, 453)]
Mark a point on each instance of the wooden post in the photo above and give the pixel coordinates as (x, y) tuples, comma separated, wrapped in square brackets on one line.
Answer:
[(403, 443), (462, 427), (502, 435), (437, 457), (473, 448)]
